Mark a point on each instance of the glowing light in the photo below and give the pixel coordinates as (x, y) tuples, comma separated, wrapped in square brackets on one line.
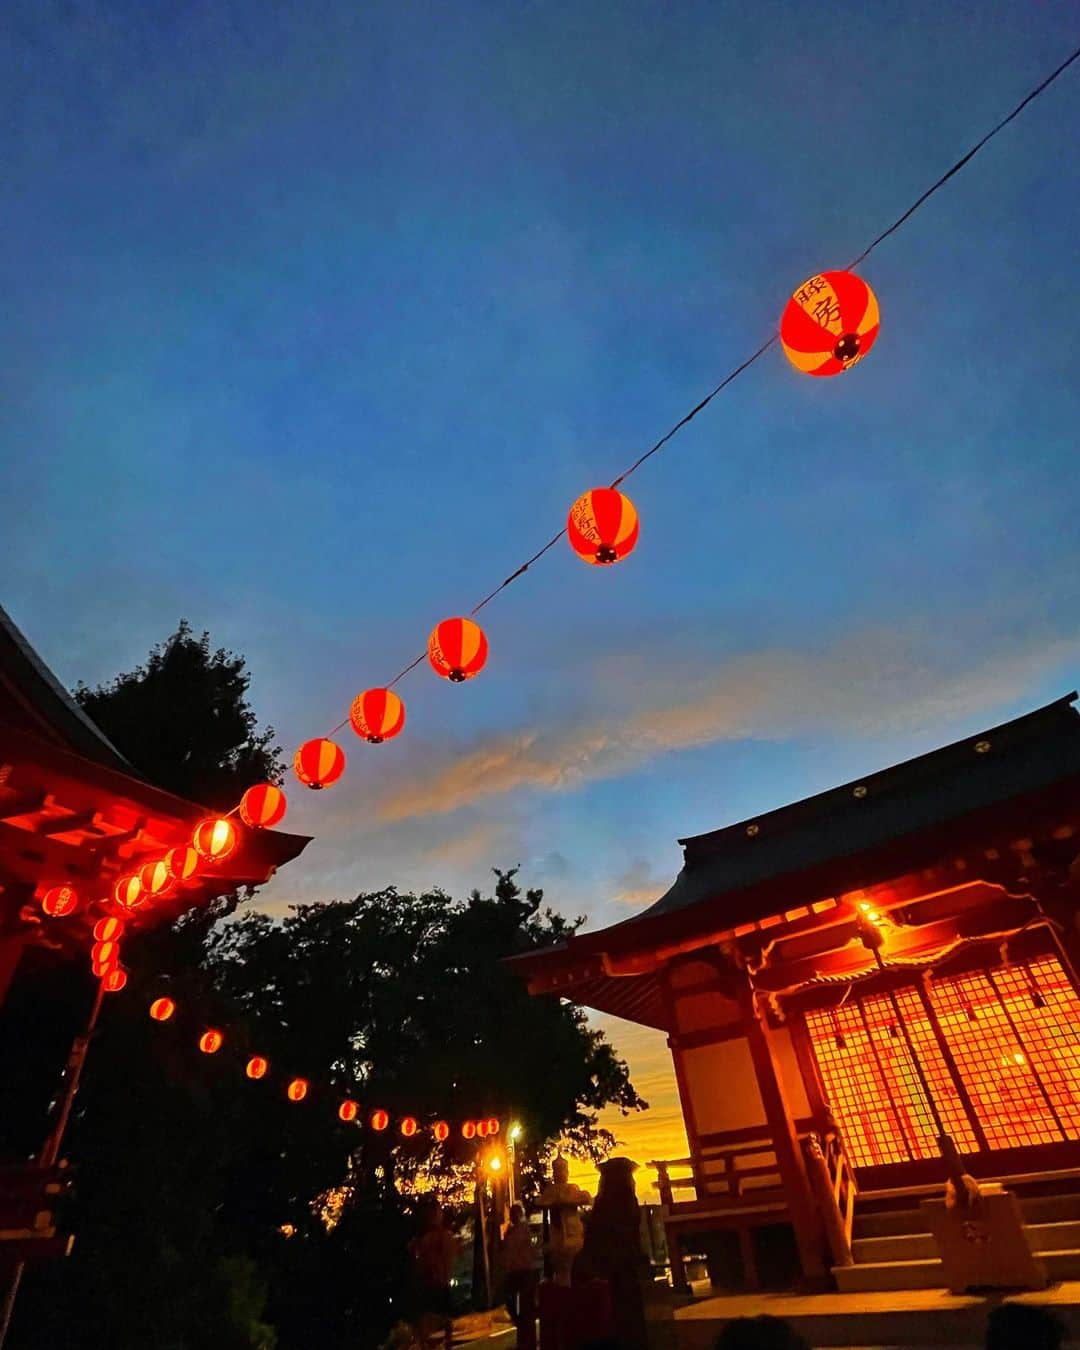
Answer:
[(319, 763), (262, 806), (493, 1126), (1018, 1058), (829, 324), (494, 1163), (105, 954), (214, 838), (408, 1127), (297, 1090), (182, 863), (379, 1120), (602, 526), (441, 1131), (377, 715), (348, 1111), (210, 1042), (108, 930), (60, 901), (155, 877), (515, 1132), (128, 892), (162, 1009), (114, 980), (257, 1067), (457, 649), (481, 1129), (468, 1130)]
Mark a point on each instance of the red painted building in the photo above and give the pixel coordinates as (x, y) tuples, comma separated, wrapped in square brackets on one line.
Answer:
[(846, 979)]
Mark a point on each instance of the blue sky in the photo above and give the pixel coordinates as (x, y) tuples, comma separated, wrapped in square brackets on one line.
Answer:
[(317, 316)]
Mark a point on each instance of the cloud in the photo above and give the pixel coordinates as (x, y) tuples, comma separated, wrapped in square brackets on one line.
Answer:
[(638, 885), (876, 683)]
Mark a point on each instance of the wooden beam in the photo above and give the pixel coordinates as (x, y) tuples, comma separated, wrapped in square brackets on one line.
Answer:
[(22, 804), (78, 820)]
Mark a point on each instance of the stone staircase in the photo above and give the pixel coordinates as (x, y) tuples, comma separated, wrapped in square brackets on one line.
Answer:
[(893, 1248)]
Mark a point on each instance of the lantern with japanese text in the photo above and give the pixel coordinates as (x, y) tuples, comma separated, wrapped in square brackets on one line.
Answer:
[(60, 901), (348, 1111), (379, 1119), (262, 806), (457, 649), (114, 980), (128, 892), (602, 526), (162, 1009), (319, 763), (214, 838), (408, 1127), (257, 1067), (441, 1131), (377, 715), (210, 1042), (830, 322), (108, 930), (297, 1090), (182, 863), (155, 879)]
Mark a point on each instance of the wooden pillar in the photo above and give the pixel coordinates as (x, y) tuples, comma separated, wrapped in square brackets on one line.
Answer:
[(820, 1108), (789, 1157)]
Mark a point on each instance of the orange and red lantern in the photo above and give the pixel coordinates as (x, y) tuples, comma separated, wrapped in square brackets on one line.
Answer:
[(214, 838), (468, 1130), (60, 901), (379, 1119), (602, 526), (105, 954), (377, 715), (128, 892), (155, 879), (210, 1042), (441, 1131), (319, 763), (492, 1126), (481, 1129), (297, 1090), (830, 323), (348, 1110), (262, 806), (162, 1009), (408, 1127), (114, 980), (457, 649), (257, 1067), (108, 930), (182, 863)]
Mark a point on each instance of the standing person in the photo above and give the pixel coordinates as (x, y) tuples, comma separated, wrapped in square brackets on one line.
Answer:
[(433, 1255), (518, 1261)]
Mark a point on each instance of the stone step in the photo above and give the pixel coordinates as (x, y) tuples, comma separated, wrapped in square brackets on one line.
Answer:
[(896, 1247), (1050, 1208), (889, 1223), (878, 1275), (1054, 1237), (1061, 1265)]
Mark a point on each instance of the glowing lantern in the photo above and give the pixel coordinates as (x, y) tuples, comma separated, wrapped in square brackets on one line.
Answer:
[(441, 1131), (468, 1130), (60, 901), (493, 1127), (457, 649), (377, 715), (257, 1067), (262, 806), (348, 1111), (408, 1127), (105, 953), (99, 969), (155, 878), (182, 863), (108, 930), (128, 892), (214, 838), (162, 1009), (829, 323), (114, 980), (379, 1120), (319, 763), (297, 1090), (602, 526), (210, 1042)]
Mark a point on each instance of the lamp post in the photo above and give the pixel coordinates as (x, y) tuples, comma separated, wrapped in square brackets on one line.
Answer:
[(513, 1178)]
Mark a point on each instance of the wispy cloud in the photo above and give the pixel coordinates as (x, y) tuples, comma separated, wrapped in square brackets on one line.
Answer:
[(639, 884)]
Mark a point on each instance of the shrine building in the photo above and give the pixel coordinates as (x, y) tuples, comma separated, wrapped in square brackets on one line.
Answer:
[(844, 981)]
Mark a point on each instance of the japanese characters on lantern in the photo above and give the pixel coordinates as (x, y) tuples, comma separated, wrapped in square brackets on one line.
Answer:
[(60, 901), (602, 526), (377, 715), (457, 649), (830, 323)]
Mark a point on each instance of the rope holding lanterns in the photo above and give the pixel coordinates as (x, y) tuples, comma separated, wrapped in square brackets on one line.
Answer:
[(319, 763), (457, 649), (377, 715), (602, 526), (830, 323), (263, 806)]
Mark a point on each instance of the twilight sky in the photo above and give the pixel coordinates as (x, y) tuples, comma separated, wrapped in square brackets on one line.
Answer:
[(316, 316)]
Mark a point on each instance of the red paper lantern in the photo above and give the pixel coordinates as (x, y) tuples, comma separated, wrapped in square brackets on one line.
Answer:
[(319, 763), (297, 1090), (128, 892), (493, 1127), (155, 878), (60, 901), (457, 649), (829, 323), (182, 863), (262, 806), (481, 1129), (348, 1111), (441, 1131), (108, 930), (379, 1120), (162, 1009), (105, 954), (408, 1127), (210, 1042), (468, 1130), (214, 838), (602, 526), (257, 1067), (114, 980), (377, 715)]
